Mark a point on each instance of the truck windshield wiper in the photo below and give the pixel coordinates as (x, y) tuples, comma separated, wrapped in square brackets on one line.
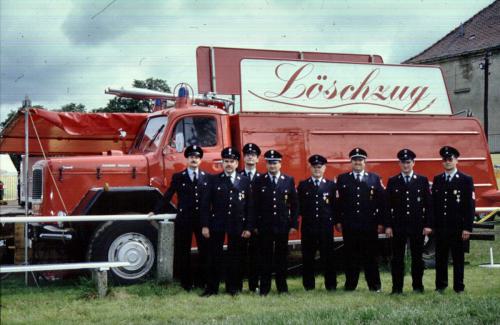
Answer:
[(156, 135)]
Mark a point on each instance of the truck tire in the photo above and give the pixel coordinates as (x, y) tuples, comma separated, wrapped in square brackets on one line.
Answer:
[(128, 241)]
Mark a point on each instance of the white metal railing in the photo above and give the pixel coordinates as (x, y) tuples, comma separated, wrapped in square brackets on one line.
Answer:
[(127, 217), (101, 266)]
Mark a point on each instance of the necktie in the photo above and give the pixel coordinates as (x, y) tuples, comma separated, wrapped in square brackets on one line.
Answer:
[(195, 177), (407, 179), (316, 182), (448, 178), (250, 175), (358, 177), (274, 180)]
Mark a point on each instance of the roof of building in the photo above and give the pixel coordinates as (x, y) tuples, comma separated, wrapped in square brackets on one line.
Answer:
[(480, 32)]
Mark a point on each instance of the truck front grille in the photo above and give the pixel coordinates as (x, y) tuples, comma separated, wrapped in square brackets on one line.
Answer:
[(37, 189)]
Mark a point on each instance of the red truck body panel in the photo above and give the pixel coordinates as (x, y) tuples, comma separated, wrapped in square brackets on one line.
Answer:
[(70, 133), (297, 136), (226, 64)]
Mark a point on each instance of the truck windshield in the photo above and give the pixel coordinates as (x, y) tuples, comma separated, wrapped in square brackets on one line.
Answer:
[(149, 139)]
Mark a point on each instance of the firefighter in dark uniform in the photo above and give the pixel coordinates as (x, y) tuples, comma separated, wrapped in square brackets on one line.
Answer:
[(454, 208), (409, 219), (276, 211), (317, 202), (230, 212), (191, 186), (362, 207), (251, 153)]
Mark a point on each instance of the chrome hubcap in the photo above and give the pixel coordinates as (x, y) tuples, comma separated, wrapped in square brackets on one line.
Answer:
[(136, 249)]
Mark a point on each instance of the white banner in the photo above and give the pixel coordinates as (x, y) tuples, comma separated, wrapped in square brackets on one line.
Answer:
[(320, 87)]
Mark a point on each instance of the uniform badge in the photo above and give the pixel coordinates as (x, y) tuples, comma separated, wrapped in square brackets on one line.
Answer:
[(455, 192), (242, 196), (418, 199)]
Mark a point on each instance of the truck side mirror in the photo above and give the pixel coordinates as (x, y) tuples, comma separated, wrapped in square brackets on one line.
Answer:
[(179, 142), (122, 133)]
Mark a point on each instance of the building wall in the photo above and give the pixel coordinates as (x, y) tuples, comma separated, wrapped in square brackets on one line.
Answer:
[(465, 82)]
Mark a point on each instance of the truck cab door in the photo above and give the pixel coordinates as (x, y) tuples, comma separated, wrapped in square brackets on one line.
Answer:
[(202, 130)]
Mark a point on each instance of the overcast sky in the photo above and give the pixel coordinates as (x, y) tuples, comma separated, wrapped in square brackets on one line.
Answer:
[(64, 51)]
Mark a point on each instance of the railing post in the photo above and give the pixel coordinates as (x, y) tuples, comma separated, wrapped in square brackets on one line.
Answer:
[(165, 254), (101, 280)]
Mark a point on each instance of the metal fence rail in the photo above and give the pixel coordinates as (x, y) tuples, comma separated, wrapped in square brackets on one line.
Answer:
[(128, 217)]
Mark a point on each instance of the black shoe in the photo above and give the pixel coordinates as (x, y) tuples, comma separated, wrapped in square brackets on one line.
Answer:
[(349, 289), (283, 292), (396, 292), (207, 293), (187, 287), (232, 292), (375, 289), (331, 289), (309, 288), (418, 290), (440, 290), (459, 291)]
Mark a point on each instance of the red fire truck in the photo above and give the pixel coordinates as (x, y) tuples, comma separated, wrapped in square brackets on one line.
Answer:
[(298, 103)]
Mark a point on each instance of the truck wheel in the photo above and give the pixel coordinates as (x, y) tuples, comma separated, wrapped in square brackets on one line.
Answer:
[(129, 241), (429, 254)]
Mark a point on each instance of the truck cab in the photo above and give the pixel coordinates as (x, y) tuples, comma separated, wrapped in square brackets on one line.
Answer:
[(132, 182)]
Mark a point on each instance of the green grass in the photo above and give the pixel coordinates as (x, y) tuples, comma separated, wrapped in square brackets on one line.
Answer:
[(149, 303)]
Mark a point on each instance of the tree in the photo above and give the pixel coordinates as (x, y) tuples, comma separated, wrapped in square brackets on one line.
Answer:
[(72, 107), (152, 83), (8, 118), (127, 105), (12, 113)]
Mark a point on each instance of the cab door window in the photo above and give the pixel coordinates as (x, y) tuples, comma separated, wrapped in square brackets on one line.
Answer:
[(196, 130)]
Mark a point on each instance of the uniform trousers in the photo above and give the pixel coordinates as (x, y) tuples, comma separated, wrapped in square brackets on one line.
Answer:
[(361, 250), (310, 244), (274, 253), (446, 242), (250, 253), (183, 236), (230, 264), (399, 242)]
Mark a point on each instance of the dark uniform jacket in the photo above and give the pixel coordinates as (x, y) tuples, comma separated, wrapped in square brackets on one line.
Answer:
[(454, 203), (409, 205), (230, 205), (276, 204), (362, 204), (317, 206), (255, 176), (190, 197)]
